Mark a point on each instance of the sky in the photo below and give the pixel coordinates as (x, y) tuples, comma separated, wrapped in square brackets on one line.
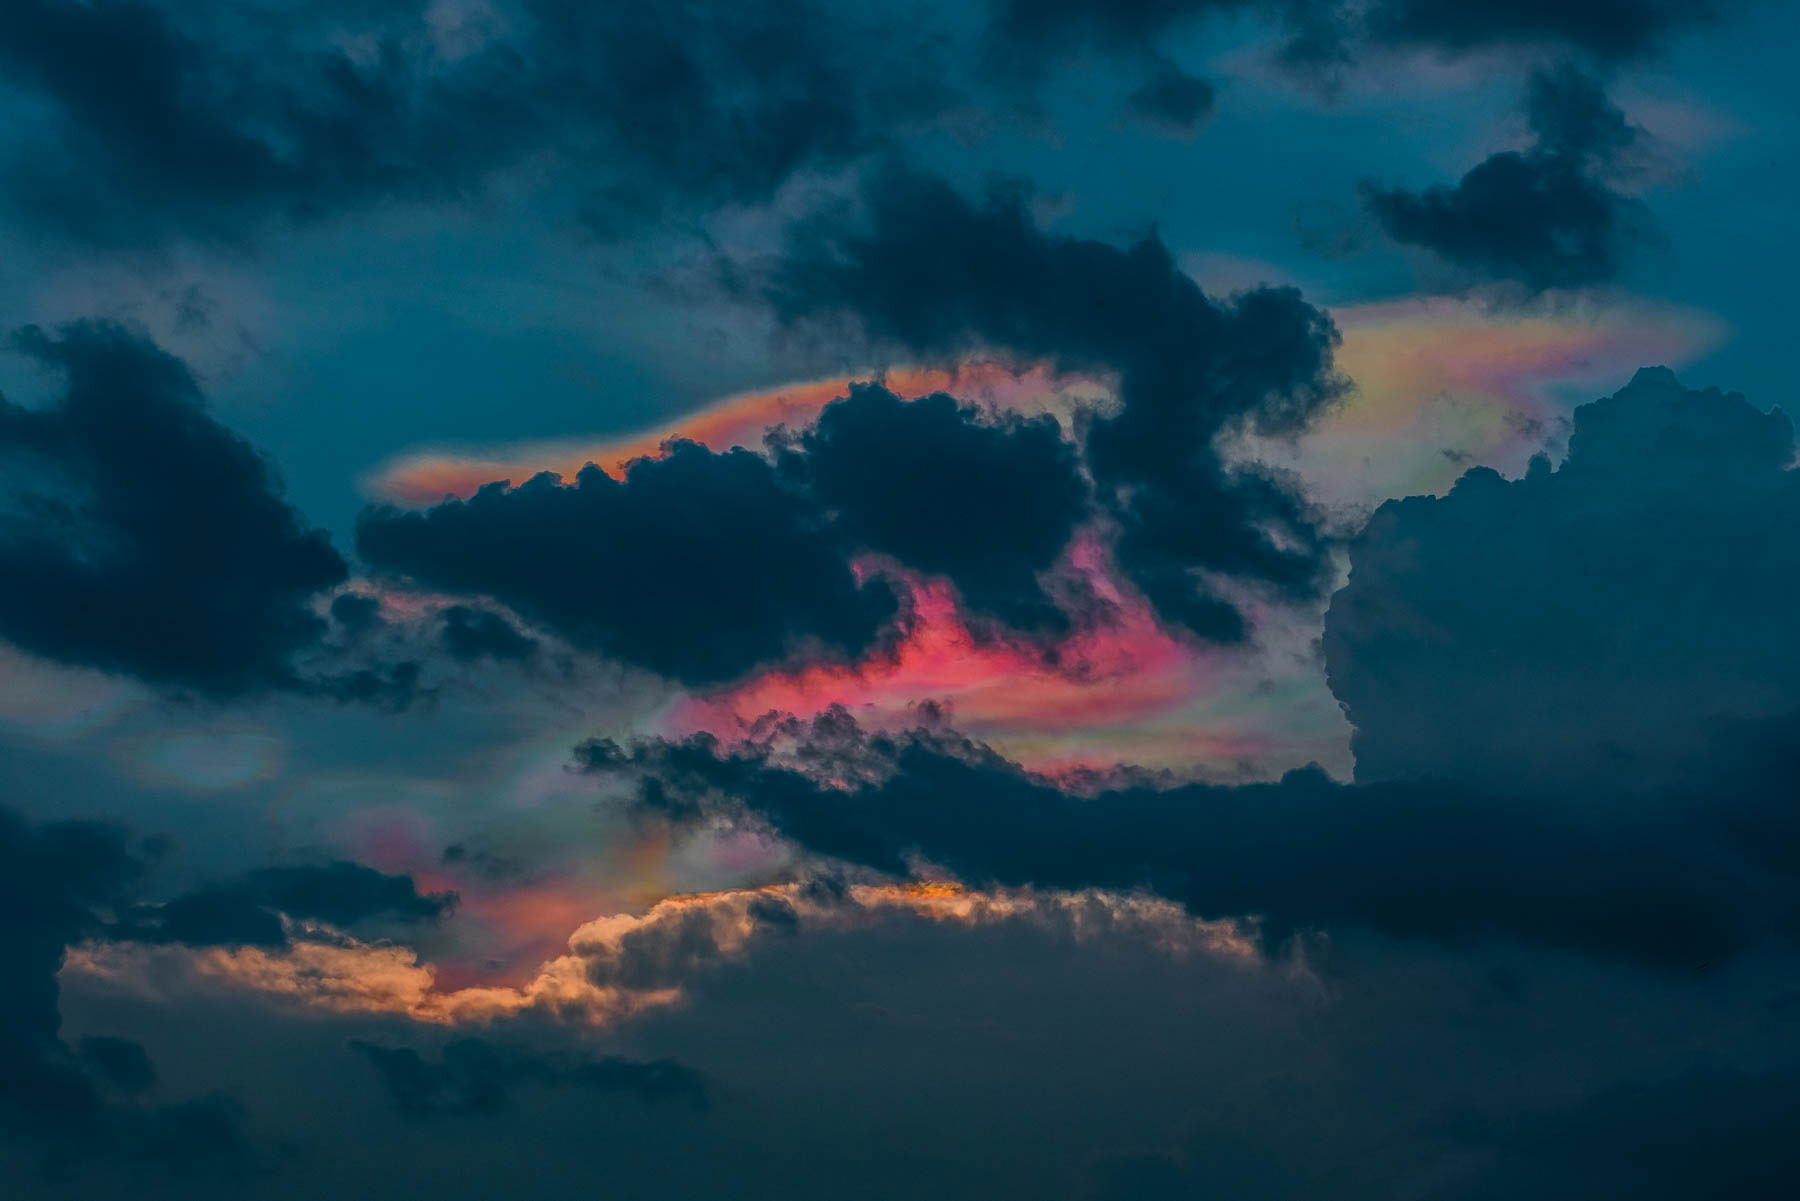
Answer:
[(1031, 598)]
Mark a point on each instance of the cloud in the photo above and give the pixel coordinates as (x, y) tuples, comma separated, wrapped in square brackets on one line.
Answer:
[(155, 122), (740, 561), (249, 911), (476, 1075), (142, 537), (925, 270), (988, 501), (1705, 1132), (1589, 624), (1541, 688), (171, 122), (1653, 883), (626, 966), (56, 881), (698, 566), (1332, 34), (1547, 217)]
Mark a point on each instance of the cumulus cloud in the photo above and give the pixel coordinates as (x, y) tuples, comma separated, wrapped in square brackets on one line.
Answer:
[(988, 502), (923, 269), (1593, 623), (696, 565), (140, 536), (739, 561), (250, 911)]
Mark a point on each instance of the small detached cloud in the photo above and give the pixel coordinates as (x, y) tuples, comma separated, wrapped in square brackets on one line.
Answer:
[(250, 911), (1551, 216)]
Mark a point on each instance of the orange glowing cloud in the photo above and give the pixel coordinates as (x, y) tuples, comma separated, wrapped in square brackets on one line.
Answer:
[(326, 972)]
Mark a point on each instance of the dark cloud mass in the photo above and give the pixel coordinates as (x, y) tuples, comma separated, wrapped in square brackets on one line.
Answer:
[(476, 1075), (138, 535), (927, 271), (171, 120), (1548, 217), (1174, 101), (989, 502), (1592, 622), (1659, 883), (699, 566), (66, 883), (57, 884)]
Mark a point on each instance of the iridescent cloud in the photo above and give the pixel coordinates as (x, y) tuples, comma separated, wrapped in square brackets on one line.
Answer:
[(1443, 384), (1440, 385), (426, 477)]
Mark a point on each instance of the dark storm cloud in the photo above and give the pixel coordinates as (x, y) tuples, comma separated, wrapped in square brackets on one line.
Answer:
[(1548, 217), (699, 566), (137, 535), (925, 270), (1594, 622), (159, 119), (248, 912), (470, 634), (1655, 883), (988, 502), (476, 1075), (57, 884)]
